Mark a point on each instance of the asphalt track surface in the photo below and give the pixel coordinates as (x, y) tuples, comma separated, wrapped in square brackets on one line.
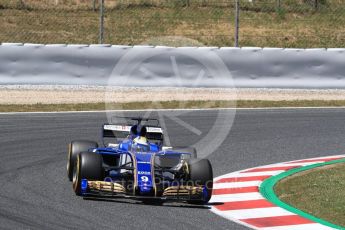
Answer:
[(35, 192)]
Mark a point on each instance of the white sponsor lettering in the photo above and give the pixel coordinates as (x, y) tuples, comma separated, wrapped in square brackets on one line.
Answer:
[(154, 130), (117, 127)]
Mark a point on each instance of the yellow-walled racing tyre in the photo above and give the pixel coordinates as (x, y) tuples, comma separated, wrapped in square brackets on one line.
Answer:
[(74, 148), (87, 166)]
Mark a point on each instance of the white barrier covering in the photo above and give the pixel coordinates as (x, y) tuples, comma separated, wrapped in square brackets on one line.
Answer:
[(158, 66)]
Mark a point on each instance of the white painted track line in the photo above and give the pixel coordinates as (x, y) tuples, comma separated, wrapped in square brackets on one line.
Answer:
[(236, 184), (139, 110), (236, 197)]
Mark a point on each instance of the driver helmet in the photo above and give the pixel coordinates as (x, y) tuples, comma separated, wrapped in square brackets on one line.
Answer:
[(141, 138)]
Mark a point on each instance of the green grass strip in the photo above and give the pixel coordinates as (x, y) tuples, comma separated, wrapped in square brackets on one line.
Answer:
[(267, 190), (168, 105)]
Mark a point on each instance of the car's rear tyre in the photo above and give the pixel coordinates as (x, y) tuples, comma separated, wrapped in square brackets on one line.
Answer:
[(74, 148), (87, 166), (201, 174)]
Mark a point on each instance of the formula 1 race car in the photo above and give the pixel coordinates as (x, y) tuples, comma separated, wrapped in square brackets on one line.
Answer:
[(135, 164)]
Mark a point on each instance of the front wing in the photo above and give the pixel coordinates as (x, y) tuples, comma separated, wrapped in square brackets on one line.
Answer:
[(115, 190)]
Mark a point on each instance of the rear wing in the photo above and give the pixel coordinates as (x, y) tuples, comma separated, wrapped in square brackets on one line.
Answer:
[(120, 132)]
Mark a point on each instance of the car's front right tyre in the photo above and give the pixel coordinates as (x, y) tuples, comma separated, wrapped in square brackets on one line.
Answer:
[(74, 148)]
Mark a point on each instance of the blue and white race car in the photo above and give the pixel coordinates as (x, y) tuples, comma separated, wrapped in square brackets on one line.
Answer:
[(137, 165)]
